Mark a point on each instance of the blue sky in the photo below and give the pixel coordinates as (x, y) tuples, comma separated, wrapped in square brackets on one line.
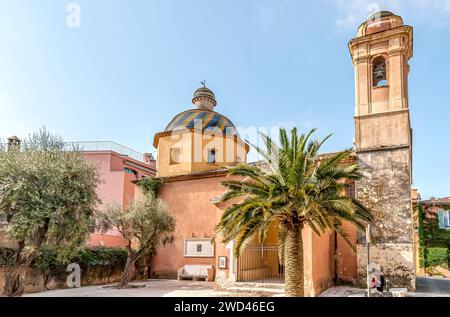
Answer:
[(132, 65)]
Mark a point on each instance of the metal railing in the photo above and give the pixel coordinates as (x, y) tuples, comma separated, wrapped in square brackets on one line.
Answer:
[(86, 146)]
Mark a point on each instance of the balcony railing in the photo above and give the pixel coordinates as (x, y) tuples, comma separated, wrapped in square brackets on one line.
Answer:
[(86, 146)]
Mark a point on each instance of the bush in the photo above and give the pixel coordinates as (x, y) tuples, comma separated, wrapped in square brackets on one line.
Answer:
[(436, 256), (6, 256), (48, 258)]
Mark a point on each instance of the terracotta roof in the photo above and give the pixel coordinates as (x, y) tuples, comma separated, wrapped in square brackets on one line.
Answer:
[(198, 175), (349, 160), (437, 201)]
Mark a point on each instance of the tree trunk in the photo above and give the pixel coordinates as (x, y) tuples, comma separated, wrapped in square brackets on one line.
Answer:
[(16, 276), (14, 281), (149, 267), (127, 272), (129, 268), (295, 279)]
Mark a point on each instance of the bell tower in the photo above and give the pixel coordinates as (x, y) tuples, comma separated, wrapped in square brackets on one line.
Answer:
[(383, 142)]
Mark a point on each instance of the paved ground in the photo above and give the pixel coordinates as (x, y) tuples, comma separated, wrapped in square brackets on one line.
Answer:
[(433, 285), (426, 287), (152, 288)]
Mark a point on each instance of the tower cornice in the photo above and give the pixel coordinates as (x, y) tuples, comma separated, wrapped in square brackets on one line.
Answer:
[(383, 36)]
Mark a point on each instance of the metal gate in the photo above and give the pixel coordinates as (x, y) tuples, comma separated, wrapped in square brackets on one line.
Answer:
[(260, 263)]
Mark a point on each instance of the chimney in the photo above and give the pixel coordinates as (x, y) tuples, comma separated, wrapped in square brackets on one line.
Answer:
[(13, 141), (148, 158)]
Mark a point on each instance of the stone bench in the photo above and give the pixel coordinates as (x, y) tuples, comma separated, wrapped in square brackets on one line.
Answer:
[(195, 272)]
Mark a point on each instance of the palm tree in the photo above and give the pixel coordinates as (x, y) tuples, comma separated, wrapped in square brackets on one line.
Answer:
[(302, 189)]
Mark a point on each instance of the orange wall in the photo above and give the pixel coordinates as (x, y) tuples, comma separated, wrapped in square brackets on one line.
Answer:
[(196, 217), (346, 257), (322, 261)]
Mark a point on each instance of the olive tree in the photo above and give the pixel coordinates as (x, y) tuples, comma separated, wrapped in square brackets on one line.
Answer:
[(145, 223), (48, 197)]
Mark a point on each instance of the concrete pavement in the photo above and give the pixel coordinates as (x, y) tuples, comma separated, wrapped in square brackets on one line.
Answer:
[(432, 287)]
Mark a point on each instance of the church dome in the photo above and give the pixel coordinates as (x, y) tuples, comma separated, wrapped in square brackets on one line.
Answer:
[(207, 118), (204, 115)]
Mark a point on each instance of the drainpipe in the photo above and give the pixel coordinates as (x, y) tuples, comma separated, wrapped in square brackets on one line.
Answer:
[(368, 258), (335, 277)]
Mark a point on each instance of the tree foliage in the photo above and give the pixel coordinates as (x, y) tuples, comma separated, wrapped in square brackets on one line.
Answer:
[(301, 189), (145, 223), (150, 185), (48, 196), (437, 256)]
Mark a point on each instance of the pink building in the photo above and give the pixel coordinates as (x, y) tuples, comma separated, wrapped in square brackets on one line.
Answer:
[(119, 166)]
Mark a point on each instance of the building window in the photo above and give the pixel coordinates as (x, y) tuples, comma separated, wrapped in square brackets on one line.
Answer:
[(175, 155), (212, 156), (130, 171), (444, 219), (3, 219), (238, 159), (379, 72)]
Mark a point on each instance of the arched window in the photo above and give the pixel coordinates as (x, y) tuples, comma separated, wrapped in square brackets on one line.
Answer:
[(212, 156), (175, 154), (379, 72)]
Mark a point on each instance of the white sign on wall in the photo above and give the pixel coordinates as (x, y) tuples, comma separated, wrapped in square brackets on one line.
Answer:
[(199, 248)]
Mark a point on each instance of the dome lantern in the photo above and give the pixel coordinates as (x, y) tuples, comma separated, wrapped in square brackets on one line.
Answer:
[(204, 98)]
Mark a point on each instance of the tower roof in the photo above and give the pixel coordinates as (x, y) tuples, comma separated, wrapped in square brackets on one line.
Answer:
[(378, 22), (380, 14)]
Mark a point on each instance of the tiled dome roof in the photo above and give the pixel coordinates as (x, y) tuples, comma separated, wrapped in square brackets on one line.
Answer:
[(207, 118)]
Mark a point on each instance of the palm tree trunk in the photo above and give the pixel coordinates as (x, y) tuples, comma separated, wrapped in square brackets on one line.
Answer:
[(295, 280)]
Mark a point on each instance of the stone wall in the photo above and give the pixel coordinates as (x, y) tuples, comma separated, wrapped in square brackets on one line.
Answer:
[(39, 281), (387, 191)]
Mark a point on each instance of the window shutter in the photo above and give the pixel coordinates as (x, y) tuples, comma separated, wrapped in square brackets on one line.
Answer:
[(441, 218)]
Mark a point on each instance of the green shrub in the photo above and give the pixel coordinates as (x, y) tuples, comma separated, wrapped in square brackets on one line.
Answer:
[(436, 256), (101, 256), (6, 256), (48, 258)]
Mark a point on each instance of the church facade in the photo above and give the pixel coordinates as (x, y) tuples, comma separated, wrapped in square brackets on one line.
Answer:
[(198, 144)]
